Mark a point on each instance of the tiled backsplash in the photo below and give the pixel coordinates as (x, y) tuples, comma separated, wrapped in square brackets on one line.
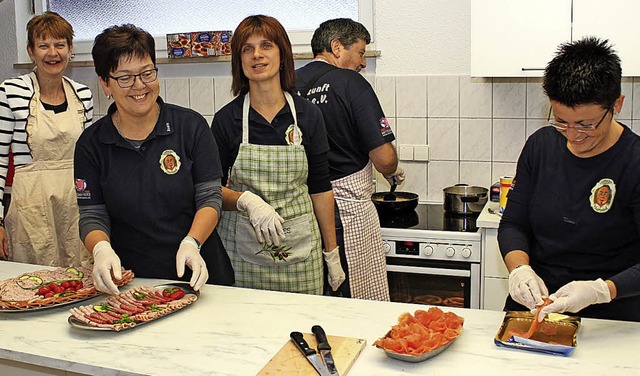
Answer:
[(475, 127)]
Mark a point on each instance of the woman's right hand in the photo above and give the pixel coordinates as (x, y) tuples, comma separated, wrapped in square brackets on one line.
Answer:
[(526, 288), (266, 222), (105, 262)]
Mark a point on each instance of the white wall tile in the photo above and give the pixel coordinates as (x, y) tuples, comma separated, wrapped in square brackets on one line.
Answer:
[(509, 98), (635, 126), (416, 179), (386, 91), (443, 96), (222, 91), (533, 125), (201, 94), (502, 169), (104, 102), (508, 139), (411, 131), (627, 106), (411, 96), (634, 102), (371, 78), (537, 101), (444, 135), (475, 140), (441, 174), (177, 91), (209, 120), (163, 89), (476, 173), (475, 97)]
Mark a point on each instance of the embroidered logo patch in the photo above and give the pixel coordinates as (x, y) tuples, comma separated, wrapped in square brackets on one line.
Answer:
[(169, 162), (602, 195), (81, 189), (385, 127), (290, 134)]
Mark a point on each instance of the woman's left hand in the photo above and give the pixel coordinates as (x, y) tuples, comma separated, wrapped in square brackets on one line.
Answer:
[(576, 295), (189, 254)]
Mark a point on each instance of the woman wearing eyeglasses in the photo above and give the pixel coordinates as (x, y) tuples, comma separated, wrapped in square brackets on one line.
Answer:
[(41, 116), (147, 175), (571, 227)]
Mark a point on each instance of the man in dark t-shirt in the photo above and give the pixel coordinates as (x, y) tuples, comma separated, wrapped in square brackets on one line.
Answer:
[(360, 139)]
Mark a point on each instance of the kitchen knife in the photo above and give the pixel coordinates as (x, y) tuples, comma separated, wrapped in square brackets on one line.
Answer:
[(325, 349), (310, 353)]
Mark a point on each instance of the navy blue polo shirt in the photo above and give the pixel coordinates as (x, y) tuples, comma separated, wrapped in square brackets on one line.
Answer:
[(149, 198), (352, 114), (227, 131)]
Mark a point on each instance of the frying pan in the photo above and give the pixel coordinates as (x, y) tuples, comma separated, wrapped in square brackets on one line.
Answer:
[(404, 202)]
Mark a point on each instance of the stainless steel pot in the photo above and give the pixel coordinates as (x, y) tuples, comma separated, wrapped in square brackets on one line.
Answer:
[(465, 199)]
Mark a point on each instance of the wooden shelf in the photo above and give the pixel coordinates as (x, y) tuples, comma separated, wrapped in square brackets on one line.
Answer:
[(190, 60)]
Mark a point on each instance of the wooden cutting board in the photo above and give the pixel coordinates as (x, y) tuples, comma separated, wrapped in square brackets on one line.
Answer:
[(290, 361)]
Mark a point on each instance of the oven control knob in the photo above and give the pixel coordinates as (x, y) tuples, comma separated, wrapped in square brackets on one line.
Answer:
[(466, 253), (387, 247), (428, 250), (450, 252)]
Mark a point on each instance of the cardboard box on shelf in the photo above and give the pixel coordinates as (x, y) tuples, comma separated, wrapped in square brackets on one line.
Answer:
[(179, 45), (211, 43)]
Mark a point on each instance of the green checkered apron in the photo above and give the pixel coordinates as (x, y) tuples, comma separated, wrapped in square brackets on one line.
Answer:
[(278, 174)]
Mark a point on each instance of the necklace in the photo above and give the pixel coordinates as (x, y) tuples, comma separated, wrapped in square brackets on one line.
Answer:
[(116, 122)]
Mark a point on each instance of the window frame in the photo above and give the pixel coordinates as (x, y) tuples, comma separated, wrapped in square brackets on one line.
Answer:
[(300, 39)]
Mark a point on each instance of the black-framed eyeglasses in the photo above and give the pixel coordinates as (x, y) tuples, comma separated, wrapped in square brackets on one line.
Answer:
[(578, 127), (128, 80)]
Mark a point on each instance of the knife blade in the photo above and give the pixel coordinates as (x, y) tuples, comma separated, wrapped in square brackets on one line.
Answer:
[(325, 349), (309, 353)]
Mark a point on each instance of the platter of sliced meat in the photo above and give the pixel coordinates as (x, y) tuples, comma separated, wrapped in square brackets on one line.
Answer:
[(130, 309), (50, 288)]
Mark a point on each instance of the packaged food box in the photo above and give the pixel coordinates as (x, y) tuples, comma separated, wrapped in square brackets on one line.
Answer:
[(179, 45), (211, 43)]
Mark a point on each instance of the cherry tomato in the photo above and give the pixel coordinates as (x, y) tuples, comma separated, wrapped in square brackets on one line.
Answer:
[(43, 290), (65, 285), (179, 294), (69, 289), (72, 283), (48, 295), (79, 285)]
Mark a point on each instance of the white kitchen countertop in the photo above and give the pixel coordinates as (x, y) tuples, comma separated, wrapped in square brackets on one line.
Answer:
[(234, 331), (489, 220)]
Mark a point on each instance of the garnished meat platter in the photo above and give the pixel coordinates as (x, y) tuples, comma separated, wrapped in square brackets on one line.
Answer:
[(50, 288), (137, 306)]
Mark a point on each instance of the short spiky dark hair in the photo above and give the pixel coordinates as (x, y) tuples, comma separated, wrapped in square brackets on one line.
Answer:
[(586, 71), (123, 41), (346, 30)]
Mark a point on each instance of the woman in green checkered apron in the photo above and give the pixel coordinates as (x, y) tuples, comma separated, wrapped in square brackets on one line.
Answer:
[(269, 227)]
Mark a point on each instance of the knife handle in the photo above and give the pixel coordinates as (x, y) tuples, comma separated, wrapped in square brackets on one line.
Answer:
[(321, 337), (301, 344)]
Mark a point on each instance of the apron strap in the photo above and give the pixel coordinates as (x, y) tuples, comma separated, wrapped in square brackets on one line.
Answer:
[(315, 78), (297, 140)]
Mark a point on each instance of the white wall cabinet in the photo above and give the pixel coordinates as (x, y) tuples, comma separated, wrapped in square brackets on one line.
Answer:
[(518, 38)]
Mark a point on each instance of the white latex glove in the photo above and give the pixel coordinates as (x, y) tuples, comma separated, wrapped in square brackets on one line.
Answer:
[(336, 273), (397, 176), (576, 295), (189, 254), (106, 262), (264, 219), (526, 288)]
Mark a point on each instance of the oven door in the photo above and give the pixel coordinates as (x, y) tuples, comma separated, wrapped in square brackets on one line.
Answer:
[(442, 283)]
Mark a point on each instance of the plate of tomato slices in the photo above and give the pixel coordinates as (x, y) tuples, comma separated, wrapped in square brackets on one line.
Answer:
[(132, 308), (422, 335)]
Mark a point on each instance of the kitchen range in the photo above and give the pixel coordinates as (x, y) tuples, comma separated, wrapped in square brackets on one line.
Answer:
[(433, 256)]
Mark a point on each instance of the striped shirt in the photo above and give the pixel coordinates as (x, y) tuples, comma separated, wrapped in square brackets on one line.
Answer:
[(15, 96)]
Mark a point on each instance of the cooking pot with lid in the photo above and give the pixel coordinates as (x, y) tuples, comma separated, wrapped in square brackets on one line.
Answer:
[(465, 199)]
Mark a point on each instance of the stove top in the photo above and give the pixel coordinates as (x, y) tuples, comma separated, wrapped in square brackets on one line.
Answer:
[(430, 217)]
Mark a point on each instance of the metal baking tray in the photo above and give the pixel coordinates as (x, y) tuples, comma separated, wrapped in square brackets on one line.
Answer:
[(556, 335)]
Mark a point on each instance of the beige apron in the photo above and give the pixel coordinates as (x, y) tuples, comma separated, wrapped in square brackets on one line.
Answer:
[(42, 220), (362, 238)]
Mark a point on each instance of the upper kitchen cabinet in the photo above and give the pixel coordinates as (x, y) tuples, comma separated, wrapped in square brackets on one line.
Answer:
[(616, 20), (518, 38)]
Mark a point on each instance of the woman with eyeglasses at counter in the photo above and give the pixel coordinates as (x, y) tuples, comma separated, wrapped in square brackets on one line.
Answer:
[(571, 226), (147, 175)]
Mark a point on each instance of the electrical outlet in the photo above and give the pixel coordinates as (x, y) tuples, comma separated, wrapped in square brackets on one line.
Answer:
[(421, 153), (405, 152)]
